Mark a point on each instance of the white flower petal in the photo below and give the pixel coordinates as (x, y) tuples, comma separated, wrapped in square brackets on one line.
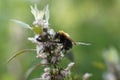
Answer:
[(33, 40), (42, 55), (70, 66), (39, 48), (51, 32), (47, 13), (38, 15), (44, 61), (47, 69), (86, 76)]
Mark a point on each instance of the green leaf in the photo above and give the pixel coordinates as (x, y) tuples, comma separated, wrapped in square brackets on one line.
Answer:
[(22, 24), (30, 70), (18, 53)]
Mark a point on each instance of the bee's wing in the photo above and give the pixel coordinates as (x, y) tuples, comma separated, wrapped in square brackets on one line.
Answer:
[(81, 43), (78, 43), (70, 55)]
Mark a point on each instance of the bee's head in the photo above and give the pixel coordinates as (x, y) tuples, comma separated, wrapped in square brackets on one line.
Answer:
[(62, 33), (57, 35)]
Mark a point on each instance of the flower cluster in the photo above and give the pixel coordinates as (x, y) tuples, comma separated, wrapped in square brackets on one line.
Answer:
[(48, 48), (57, 74)]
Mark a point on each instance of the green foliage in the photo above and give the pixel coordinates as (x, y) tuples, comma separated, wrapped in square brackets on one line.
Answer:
[(30, 70), (37, 30)]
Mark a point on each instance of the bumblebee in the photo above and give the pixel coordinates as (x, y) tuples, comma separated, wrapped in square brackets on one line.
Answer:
[(64, 39)]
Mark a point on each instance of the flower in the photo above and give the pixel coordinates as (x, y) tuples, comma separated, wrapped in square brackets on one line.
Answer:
[(86, 76), (38, 15), (44, 61), (70, 66), (46, 75), (42, 56), (66, 72), (39, 45)]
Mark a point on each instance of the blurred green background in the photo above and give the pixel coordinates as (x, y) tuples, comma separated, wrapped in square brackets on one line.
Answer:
[(92, 21)]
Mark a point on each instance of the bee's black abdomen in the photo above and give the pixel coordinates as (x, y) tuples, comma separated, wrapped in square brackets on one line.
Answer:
[(67, 44)]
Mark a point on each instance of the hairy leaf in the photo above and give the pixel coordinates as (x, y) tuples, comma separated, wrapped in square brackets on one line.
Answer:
[(18, 53), (22, 24)]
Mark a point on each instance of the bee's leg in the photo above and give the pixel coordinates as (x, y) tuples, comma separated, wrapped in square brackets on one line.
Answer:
[(58, 42), (39, 39), (62, 48)]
